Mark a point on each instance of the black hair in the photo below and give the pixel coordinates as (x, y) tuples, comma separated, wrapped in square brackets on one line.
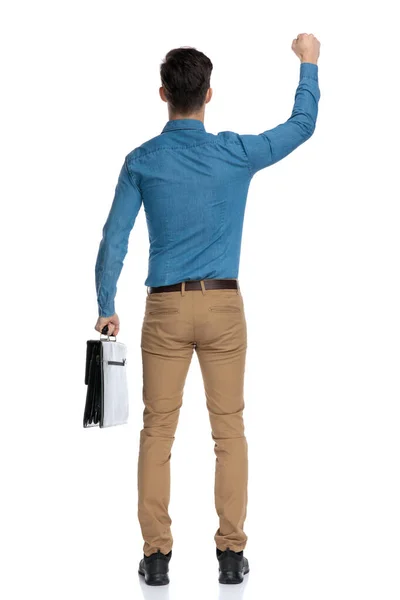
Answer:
[(185, 75)]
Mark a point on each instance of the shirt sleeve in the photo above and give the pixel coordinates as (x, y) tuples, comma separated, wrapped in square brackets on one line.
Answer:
[(114, 243), (272, 145)]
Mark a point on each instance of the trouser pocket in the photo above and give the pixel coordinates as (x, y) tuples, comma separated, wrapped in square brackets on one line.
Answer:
[(224, 309)]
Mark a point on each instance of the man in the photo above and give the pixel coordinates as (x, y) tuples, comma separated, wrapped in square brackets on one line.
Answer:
[(193, 186)]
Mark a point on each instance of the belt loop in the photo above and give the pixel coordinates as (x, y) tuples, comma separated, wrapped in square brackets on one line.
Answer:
[(148, 290), (183, 288), (238, 287), (203, 288)]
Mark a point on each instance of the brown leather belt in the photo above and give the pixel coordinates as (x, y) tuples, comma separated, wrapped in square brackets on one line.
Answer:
[(209, 284)]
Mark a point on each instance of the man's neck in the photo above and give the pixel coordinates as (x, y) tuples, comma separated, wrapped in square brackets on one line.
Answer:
[(199, 116)]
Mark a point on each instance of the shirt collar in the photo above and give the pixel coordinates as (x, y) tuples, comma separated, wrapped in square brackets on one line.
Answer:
[(175, 124)]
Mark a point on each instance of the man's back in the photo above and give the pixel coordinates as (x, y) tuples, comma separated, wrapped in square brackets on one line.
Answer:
[(194, 186)]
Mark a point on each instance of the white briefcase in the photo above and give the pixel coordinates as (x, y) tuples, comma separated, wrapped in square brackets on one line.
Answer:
[(107, 401)]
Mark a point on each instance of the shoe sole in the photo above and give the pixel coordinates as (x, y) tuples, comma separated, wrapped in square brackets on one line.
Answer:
[(158, 579), (232, 577)]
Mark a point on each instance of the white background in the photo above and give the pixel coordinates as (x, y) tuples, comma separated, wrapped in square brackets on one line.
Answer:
[(319, 277)]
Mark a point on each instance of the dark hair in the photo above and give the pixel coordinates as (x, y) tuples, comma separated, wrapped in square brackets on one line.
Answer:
[(185, 75)]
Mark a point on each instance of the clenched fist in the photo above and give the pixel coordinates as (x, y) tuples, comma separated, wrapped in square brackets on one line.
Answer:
[(306, 47)]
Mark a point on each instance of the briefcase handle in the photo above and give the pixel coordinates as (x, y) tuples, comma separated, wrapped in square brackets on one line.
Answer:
[(104, 332)]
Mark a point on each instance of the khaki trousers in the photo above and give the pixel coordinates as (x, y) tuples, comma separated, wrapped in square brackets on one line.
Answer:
[(212, 323)]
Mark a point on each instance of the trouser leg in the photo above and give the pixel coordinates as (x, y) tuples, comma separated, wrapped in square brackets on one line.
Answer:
[(221, 356), (166, 359)]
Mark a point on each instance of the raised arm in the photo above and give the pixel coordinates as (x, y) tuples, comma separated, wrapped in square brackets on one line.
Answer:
[(272, 145), (114, 246)]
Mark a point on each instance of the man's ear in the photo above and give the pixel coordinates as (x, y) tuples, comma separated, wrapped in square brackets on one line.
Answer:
[(162, 94), (209, 95)]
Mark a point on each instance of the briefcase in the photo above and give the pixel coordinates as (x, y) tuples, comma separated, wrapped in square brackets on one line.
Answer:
[(106, 379)]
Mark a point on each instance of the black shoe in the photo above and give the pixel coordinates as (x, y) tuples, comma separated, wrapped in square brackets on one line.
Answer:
[(154, 568), (232, 566)]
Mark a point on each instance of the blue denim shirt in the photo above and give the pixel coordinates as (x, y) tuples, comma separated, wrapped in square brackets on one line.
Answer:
[(193, 186)]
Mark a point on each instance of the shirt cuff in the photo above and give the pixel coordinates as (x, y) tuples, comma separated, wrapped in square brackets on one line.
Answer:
[(107, 311), (309, 70)]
